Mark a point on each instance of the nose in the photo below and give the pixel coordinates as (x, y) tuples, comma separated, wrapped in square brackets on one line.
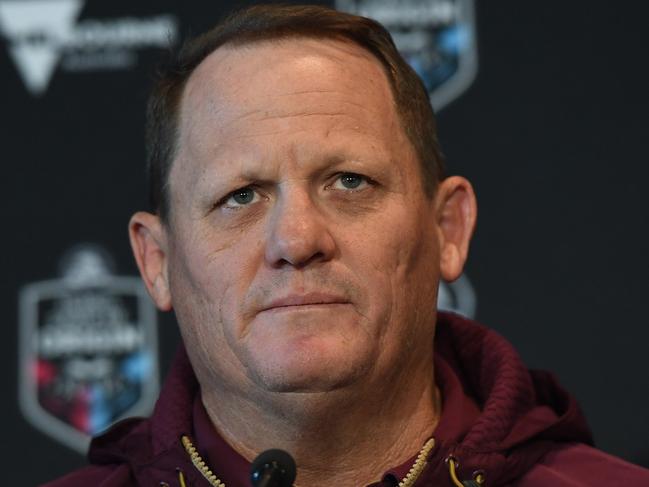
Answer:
[(299, 233)]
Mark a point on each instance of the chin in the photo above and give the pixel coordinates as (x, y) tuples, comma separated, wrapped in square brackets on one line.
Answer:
[(308, 373), (303, 352)]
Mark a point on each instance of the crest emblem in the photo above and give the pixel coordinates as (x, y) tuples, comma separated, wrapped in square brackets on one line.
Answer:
[(88, 349), (436, 37)]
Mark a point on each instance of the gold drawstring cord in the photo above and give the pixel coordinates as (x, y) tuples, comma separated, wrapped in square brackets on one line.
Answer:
[(181, 478), (452, 465)]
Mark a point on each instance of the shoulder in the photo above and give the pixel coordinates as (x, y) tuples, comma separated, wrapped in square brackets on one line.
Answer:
[(98, 476), (577, 465), (111, 456)]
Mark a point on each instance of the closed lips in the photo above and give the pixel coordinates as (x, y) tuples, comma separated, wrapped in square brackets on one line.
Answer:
[(305, 300)]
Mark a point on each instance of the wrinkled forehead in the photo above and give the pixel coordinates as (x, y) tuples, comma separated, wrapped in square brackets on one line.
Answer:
[(244, 77)]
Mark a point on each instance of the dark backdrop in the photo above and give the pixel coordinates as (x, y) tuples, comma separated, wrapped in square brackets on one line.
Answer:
[(553, 134)]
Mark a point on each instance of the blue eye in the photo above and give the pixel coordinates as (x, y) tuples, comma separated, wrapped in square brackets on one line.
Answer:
[(350, 180), (241, 197), (244, 196)]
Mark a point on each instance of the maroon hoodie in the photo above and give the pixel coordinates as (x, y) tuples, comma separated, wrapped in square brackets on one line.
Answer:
[(501, 425)]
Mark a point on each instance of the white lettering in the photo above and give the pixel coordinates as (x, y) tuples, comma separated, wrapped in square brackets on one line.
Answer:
[(55, 341), (158, 31), (410, 14)]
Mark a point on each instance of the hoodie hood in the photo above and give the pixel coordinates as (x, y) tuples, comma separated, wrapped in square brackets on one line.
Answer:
[(498, 418)]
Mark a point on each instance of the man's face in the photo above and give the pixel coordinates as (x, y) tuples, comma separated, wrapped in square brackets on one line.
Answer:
[(302, 250)]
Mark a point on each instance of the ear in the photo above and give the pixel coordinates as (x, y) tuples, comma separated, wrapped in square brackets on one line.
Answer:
[(456, 216), (149, 243)]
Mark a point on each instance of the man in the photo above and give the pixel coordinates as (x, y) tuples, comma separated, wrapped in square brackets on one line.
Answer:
[(301, 225)]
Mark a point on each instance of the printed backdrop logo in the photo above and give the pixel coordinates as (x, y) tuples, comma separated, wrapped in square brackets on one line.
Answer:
[(88, 349), (457, 296), (437, 38), (40, 33)]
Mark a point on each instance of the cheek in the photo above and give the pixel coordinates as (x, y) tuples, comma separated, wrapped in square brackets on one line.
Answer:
[(399, 265), (396, 246), (210, 280), (207, 291), (214, 260)]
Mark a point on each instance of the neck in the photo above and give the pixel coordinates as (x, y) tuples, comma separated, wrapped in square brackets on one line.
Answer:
[(340, 437)]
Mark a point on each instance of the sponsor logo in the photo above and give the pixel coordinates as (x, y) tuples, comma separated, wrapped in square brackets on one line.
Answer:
[(43, 34), (436, 37), (88, 349), (457, 296)]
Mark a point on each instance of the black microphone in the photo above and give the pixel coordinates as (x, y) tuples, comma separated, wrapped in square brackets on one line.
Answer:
[(273, 468)]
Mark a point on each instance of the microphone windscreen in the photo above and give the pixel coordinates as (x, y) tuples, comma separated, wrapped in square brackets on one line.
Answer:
[(273, 468)]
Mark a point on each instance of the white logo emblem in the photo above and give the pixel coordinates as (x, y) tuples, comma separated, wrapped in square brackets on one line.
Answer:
[(37, 30), (41, 33)]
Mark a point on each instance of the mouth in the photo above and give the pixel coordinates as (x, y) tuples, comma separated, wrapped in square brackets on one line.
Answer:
[(304, 301)]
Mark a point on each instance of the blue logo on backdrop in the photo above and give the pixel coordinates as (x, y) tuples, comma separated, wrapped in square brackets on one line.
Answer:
[(457, 296), (88, 349), (436, 37)]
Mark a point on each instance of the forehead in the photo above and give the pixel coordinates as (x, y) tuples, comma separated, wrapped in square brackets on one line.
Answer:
[(267, 76), (287, 96), (230, 70)]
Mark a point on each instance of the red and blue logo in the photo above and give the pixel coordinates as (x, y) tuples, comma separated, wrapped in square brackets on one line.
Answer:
[(88, 349)]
